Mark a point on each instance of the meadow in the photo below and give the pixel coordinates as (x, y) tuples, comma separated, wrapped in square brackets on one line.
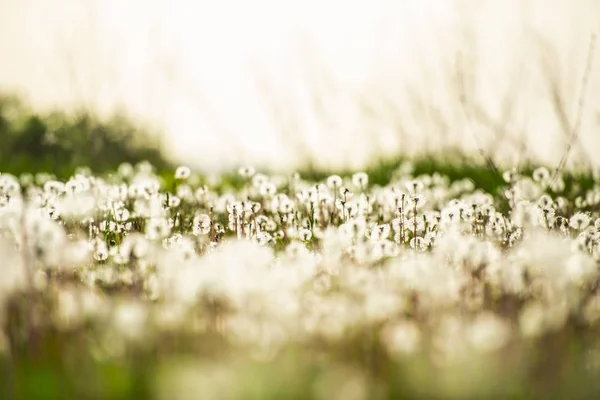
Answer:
[(396, 201), (411, 279)]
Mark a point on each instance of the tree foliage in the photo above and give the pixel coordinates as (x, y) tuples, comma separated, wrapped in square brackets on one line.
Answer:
[(58, 143)]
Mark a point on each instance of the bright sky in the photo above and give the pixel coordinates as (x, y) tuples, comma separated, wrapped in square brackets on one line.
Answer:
[(239, 81)]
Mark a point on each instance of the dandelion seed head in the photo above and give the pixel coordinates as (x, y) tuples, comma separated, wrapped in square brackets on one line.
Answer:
[(201, 224), (246, 172), (268, 189), (414, 186), (417, 201), (510, 176), (125, 170), (101, 251), (305, 234), (285, 206), (541, 174), (360, 180), (579, 221), (334, 182)]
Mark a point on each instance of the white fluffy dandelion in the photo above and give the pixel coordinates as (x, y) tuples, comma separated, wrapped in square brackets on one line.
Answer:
[(182, 173)]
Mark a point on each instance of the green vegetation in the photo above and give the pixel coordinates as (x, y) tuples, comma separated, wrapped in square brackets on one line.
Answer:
[(258, 286), (58, 143)]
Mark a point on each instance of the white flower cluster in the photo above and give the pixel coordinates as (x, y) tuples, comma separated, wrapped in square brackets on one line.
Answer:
[(429, 264)]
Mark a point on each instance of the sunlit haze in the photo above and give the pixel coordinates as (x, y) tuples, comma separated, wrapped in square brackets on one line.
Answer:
[(268, 82)]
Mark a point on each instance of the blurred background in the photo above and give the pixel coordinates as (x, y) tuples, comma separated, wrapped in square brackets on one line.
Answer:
[(281, 83)]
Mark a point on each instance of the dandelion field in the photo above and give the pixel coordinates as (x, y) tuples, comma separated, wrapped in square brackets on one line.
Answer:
[(440, 238), (395, 283)]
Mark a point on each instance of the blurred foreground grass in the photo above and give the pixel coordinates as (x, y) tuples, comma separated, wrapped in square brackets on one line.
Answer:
[(64, 366)]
